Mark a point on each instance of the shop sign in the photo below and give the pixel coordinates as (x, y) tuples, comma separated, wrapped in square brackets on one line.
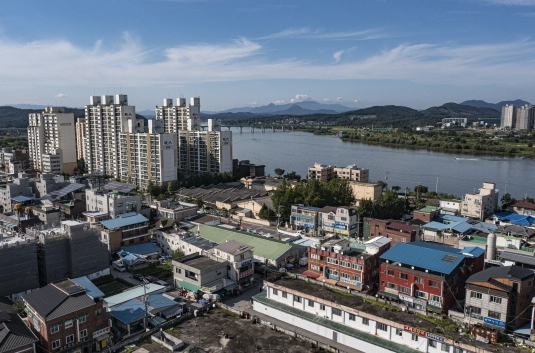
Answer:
[(101, 332), (406, 298), (434, 303), (424, 333), (494, 322)]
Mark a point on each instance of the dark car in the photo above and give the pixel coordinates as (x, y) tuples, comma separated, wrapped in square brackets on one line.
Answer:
[(151, 279), (138, 276)]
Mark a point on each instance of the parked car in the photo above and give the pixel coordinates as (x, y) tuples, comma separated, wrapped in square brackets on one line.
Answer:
[(151, 279), (138, 276), (119, 266)]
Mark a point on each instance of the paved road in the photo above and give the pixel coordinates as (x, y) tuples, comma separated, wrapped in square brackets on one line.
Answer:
[(127, 276)]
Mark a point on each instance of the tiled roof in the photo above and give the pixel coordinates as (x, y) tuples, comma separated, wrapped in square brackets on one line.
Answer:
[(493, 273), (124, 220), (432, 257), (14, 334), (263, 247), (523, 204)]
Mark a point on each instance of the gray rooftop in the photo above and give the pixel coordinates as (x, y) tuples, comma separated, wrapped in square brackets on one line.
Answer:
[(233, 247), (200, 262)]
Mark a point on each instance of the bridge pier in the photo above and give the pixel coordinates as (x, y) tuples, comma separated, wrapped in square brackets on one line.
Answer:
[(283, 129), (241, 129), (252, 129), (263, 129), (273, 128)]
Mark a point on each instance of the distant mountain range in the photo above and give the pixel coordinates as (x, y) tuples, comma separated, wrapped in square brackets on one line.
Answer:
[(496, 106), (473, 109)]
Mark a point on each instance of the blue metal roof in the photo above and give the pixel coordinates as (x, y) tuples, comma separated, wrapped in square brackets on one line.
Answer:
[(22, 198), (90, 288), (134, 309), (514, 218), (133, 293), (124, 220), (429, 256), (142, 249)]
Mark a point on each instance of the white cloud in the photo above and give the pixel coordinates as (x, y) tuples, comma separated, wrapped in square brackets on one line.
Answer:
[(356, 101), (339, 99), (253, 103), (299, 98), (290, 32), (279, 102), (60, 95), (338, 55), (326, 100)]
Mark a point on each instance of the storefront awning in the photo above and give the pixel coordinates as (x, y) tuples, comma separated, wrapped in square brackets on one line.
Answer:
[(310, 274), (388, 295), (189, 286), (327, 280), (433, 308)]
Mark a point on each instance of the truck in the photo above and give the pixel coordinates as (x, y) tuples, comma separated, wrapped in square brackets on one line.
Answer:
[(118, 265)]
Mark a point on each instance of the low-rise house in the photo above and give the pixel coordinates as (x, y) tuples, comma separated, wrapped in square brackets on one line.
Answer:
[(365, 191), (451, 207), (500, 297), (64, 317), (127, 229), (338, 220), (397, 231), (522, 207), (426, 213), (305, 218), (15, 336), (427, 276), (239, 257), (350, 265), (114, 198), (171, 239), (197, 272), (176, 211), (450, 229)]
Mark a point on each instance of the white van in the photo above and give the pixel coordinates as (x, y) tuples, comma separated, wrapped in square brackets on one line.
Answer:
[(118, 265)]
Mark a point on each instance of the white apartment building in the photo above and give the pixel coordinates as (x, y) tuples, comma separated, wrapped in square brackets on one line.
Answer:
[(80, 138), (327, 172), (180, 117), (481, 204), (105, 118), (525, 117), (202, 152), (52, 141), (508, 116), (148, 157)]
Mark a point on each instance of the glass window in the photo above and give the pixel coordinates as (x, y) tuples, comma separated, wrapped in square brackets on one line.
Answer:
[(496, 300), (389, 272), (433, 284), (54, 328), (399, 332), (56, 344), (418, 280), (494, 315), (69, 339), (322, 307), (68, 323), (445, 347), (337, 312), (403, 276), (311, 303), (476, 295), (284, 294), (381, 326), (83, 333), (414, 337), (432, 343), (297, 299), (352, 317), (365, 321)]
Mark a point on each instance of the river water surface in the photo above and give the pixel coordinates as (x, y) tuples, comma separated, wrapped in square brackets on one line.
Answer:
[(296, 151)]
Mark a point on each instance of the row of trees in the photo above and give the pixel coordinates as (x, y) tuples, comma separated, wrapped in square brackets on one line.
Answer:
[(312, 192)]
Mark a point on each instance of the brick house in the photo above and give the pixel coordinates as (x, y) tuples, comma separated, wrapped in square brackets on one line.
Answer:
[(339, 262), (127, 229), (427, 276), (66, 318), (399, 232)]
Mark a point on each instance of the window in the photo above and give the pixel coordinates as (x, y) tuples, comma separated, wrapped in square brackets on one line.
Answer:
[(314, 267), (418, 280), (399, 332), (403, 276), (322, 307), (494, 299), (69, 339), (476, 295), (389, 272), (284, 294), (54, 328), (314, 256), (83, 333), (494, 315), (337, 312), (445, 347), (405, 290), (365, 321), (352, 317), (357, 267), (433, 284), (414, 337), (432, 343), (98, 312), (356, 278), (435, 298), (56, 344), (275, 291), (297, 299), (420, 294), (474, 310), (311, 303), (391, 285), (381, 326), (68, 323), (179, 270)]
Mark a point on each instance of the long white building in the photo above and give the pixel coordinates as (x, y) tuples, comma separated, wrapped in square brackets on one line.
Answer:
[(508, 116), (105, 119), (150, 156), (51, 140)]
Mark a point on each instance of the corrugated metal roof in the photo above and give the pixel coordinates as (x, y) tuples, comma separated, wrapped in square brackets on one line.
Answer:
[(142, 249), (124, 220), (132, 293), (518, 258), (134, 309), (432, 257), (263, 247)]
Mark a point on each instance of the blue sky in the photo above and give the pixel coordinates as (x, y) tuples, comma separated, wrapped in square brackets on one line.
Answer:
[(234, 53)]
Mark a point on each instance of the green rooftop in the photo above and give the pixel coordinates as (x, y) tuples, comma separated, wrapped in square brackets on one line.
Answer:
[(361, 335), (263, 247), (428, 208)]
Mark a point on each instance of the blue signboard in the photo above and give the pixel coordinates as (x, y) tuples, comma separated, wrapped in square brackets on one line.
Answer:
[(341, 225), (492, 321), (353, 226)]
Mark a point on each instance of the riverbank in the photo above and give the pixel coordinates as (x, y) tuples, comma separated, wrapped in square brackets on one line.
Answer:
[(472, 142)]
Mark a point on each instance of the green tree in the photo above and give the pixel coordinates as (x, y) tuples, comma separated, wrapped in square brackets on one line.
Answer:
[(266, 213), (177, 254), (200, 203), (279, 172), (19, 307), (292, 176), (507, 199)]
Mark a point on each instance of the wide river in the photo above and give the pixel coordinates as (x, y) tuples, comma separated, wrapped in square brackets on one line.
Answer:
[(296, 151)]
